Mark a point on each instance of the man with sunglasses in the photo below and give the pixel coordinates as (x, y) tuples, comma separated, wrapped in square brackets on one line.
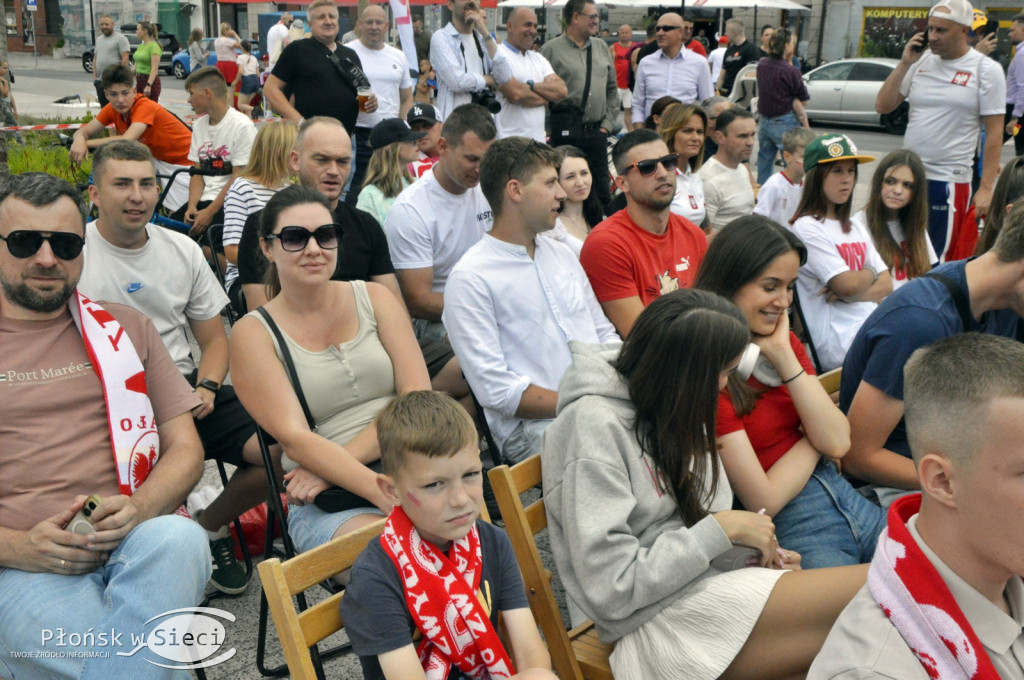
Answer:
[(644, 250), (515, 299), (670, 71), (164, 275), (92, 405), (569, 55)]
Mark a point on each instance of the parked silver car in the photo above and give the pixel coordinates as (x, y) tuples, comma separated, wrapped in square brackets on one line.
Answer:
[(844, 91)]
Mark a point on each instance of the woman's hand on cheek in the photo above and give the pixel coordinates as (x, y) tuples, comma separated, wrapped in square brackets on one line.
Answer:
[(776, 345)]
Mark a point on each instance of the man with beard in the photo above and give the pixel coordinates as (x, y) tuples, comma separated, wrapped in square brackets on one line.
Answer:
[(93, 406), (465, 57), (644, 250), (728, 184)]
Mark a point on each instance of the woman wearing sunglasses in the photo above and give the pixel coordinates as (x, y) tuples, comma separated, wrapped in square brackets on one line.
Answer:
[(353, 349)]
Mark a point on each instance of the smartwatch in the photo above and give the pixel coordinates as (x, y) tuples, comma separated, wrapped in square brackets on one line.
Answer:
[(209, 384)]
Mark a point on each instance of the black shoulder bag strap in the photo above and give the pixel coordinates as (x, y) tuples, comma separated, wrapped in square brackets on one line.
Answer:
[(349, 71), (963, 305), (289, 365), (586, 85)]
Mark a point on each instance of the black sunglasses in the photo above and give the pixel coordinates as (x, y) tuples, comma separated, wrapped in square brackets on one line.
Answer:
[(24, 244), (650, 166), (294, 239), (666, 29)]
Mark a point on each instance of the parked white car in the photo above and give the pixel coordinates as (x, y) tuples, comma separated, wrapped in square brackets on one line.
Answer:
[(844, 91)]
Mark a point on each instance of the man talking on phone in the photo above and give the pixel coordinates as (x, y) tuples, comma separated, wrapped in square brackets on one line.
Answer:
[(92, 405), (954, 93)]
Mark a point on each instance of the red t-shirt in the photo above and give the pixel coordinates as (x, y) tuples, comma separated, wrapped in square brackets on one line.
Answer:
[(695, 46), (166, 136), (773, 426), (622, 260), (622, 64)]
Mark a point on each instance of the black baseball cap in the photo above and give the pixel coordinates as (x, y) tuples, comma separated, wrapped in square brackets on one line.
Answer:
[(390, 131), (422, 112)]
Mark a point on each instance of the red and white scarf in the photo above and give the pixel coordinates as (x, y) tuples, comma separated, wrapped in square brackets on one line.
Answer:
[(917, 601), (133, 433), (441, 596)]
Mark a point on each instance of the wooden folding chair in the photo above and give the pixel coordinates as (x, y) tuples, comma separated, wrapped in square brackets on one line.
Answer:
[(577, 653), (301, 630)]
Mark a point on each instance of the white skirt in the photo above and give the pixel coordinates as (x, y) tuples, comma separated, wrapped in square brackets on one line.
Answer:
[(697, 636)]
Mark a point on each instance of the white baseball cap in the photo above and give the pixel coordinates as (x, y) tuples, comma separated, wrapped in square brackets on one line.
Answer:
[(958, 11)]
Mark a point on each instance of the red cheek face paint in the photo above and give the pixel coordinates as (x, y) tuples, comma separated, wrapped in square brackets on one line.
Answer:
[(415, 501)]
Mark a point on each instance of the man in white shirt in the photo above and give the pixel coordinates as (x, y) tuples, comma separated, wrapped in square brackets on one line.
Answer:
[(716, 58), (465, 57), (441, 216), (533, 84), (388, 73), (275, 39), (728, 184), (671, 70), (164, 275), (954, 92), (944, 597), (514, 301)]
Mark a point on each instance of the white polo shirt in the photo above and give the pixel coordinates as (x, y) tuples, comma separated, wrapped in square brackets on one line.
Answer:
[(388, 72), (514, 119)]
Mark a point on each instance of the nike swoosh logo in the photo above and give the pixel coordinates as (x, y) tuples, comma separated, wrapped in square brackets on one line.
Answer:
[(134, 287)]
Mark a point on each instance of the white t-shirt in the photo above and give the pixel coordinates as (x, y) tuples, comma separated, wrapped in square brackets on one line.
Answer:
[(514, 119), (947, 99), (429, 227), (830, 252), (689, 198), (275, 42), (899, 276), (248, 65), (510, 318), (778, 197), (727, 192), (230, 140), (715, 60), (224, 48), (167, 279), (388, 72)]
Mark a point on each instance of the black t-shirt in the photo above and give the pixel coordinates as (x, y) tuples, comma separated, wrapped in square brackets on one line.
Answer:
[(363, 249), (736, 57), (374, 611), (306, 69)]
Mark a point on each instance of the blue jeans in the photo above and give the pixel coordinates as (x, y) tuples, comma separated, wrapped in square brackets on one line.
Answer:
[(161, 565), (769, 137), (829, 523)]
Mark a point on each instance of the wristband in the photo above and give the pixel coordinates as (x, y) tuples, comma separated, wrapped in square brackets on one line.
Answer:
[(802, 371), (874, 273)]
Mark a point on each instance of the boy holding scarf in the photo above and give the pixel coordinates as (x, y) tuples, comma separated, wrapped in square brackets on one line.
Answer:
[(423, 601), (944, 597)]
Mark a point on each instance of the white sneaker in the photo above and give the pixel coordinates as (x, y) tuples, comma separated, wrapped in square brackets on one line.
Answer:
[(199, 500)]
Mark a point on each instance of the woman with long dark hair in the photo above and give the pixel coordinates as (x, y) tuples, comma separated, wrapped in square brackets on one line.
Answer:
[(353, 349), (844, 277), (896, 216), (581, 210), (1008, 191), (778, 431), (639, 510)]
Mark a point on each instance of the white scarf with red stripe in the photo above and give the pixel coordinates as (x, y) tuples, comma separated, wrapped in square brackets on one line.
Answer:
[(441, 596), (133, 433), (917, 601)]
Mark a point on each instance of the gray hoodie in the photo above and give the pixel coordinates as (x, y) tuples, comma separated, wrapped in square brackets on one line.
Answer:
[(620, 545)]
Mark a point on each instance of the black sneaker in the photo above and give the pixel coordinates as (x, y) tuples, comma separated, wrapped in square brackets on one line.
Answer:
[(228, 573)]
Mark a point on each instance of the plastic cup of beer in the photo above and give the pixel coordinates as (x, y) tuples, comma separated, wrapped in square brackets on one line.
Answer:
[(363, 94)]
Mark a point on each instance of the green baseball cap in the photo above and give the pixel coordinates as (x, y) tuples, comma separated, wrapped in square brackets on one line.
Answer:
[(832, 148)]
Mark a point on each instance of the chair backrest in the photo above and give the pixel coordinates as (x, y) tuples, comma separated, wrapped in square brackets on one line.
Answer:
[(521, 524), (282, 580), (831, 380)]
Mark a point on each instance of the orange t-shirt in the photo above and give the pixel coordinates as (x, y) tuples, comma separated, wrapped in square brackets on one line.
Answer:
[(166, 136)]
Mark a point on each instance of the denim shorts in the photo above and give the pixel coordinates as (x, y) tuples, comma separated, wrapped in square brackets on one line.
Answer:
[(250, 84), (309, 526), (829, 523)]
